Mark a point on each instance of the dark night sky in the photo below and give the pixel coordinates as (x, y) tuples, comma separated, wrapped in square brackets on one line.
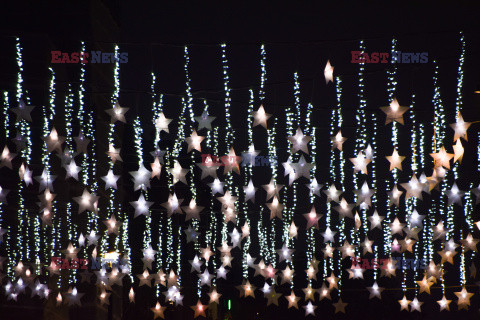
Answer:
[(298, 38)]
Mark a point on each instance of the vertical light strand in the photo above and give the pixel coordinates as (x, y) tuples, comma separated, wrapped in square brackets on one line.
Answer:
[(8, 237), (310, 131)]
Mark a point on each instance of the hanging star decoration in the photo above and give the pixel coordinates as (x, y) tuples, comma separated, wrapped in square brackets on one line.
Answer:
[(204, 121), (117, 113), (338, 140), (442, 158), (260, 117), (394, 112), (360, 163), (458, 152), (460, 128), (113, 153), (299, 141), (194, 142), (395, 160), (23, 111), (328, 72)]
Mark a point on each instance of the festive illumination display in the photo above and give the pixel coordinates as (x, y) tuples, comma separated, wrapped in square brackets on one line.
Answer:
[(392, 213)]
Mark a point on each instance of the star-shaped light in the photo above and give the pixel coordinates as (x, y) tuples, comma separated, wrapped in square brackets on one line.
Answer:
[(156, 168), (364, 195), (328, 72), (117, 113), (82, 143), (416, 305), (231, 162), (394, 112), (272, 189), (292, 300), (340, 306), (71, 251), (110, 180), (73, 297), (338, 140), (25, 174), (23, 111), (397, 227), (424, 284), (455, 195), (312, 218), (54, 141), (162, 123), (248, 157), (444, 304), (375, 291), (332, 193), (141, 178), (293, 230), (414, 188), (113, 225), (309, 309), (250, 191), (404, 303), (302, 168), (72, 170), (199, 309), (214, 296), (299, 141), (276, 208), (360, 163), (158, 311), (86, 201), (375, 220), (442, 158), (458, 151), (284, 253), (92, 238), (192, 211), (328, 235), (260, 117), (217, 186), (178, 173), (463, 298), (315, 187), (460, 128), (141, 206), (204, 121), (395, 160), (6, 158), (194, 141), (395, 195), (113, 153), (173, 204), (470, 243), (246, 289)]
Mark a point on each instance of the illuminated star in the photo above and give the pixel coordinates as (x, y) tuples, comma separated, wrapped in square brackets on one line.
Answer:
[(214, 296), (204, 121), (222, 272), (414, 188), (246, 289), (338, 140), (191, 234), (439, 231), (23, 111), (157, 153), (192, 211), (230, 162), (458, 152), (245, 230), (434, 270), (394, 112), (470, 243), (364, 195), (173, 204), (6, 158), (397, 227), (315, 187), (113, 225), (310, 309), (260, 117), (332, 281), (292, 300), (416, 219), (86, 201), (344, 209), (82, 143), (235, 237), (156, 168), (217, 186), (395, 195), (360, 163), (162, 123), (347, 250), (375, 220), (209, 169), (178, 173), (395, 160), (272, 189), (367, 246), (442, 158), (141, 178), (299, 142), (250, 191), (92, 238), (460, 128), (113, 153), (447, 255), (54, 141), (328, 235), (227, 200), (312, 218), (276, 208), (141, 206), (158, 311), (302, 168), (332, 193), (72, 170), (284, 253), (340, 306), (206, 253), (416, 305), (272, 297), (309, 293), (455, 195), (117, 113), (328, 72), (375, 291), (145, 279), (206, 278), (293, 230), (110, 180), (25, 174), (199, 309), (463, 298), (444, 304), (73, 297), (287, 275), (424, 284), (404, 303), (70, 252), (194, 141)]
